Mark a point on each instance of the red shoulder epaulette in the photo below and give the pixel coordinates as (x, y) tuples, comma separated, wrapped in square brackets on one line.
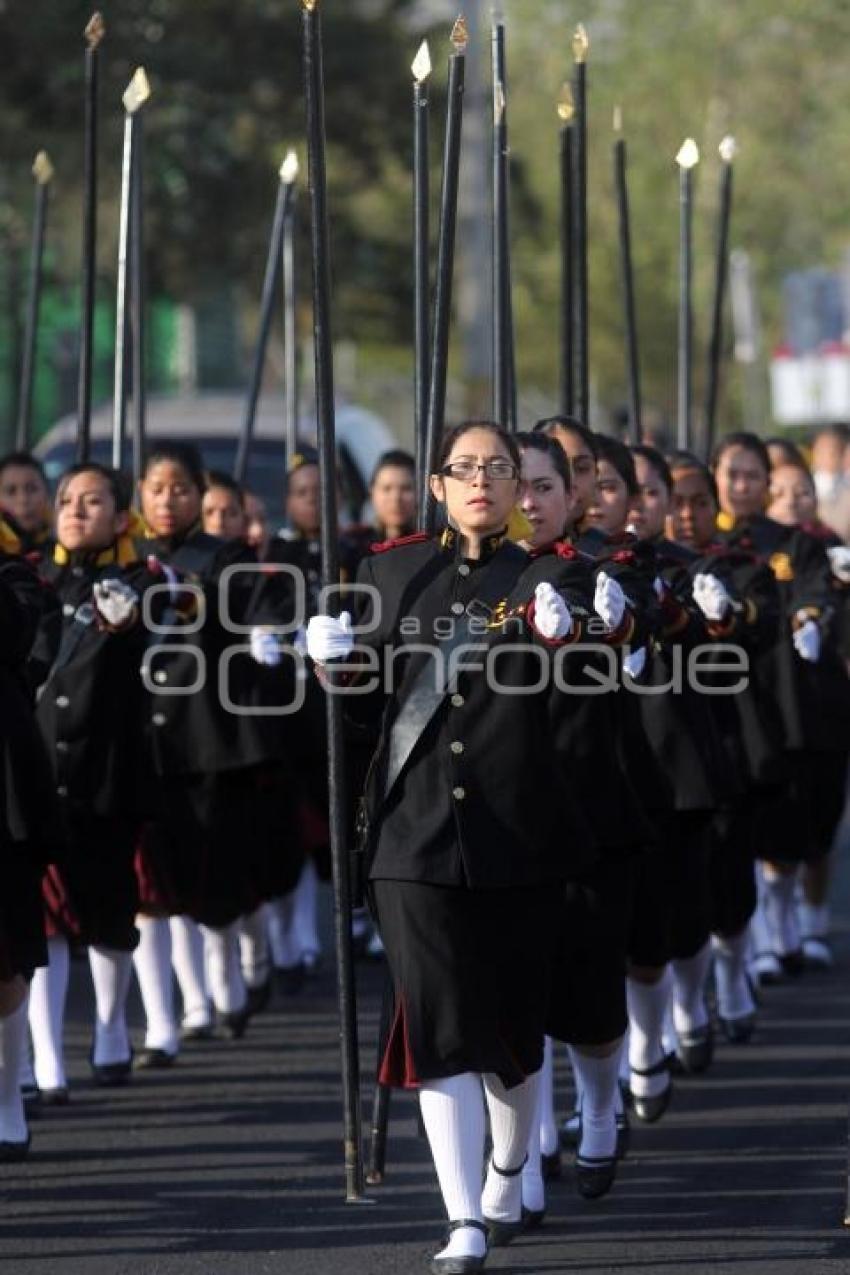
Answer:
[(563, 549), (623, 555), (418, 538)]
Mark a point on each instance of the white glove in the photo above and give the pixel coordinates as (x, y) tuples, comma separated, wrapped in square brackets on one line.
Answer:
[(807, 641), (660, 587), (329, 638), (264, 647), (156, 567), (552, 617), (712, 597), (115, 601), (635, 662), (609, 601), (839, 560)]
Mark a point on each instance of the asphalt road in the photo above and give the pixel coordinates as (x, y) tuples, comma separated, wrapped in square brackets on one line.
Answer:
[(230, 1164)]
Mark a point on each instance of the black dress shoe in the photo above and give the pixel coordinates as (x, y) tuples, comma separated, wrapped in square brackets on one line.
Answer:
[(291, 978), (595, 1175), (232, 1025), (550, 1167), (500, 1233), (153, 1060), (532, 1218), (651, 1109), (31, 1097), (258, 998), (14, 1152), (695, 1050), (59, 1097), (793, 963), (459, 1265), (204, 1031), (738, 1031), (111, 1075)]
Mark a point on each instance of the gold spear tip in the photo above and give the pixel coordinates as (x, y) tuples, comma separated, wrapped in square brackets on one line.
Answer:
[(460, 35), (566, 104), (688, 155), (421, 65), (618, 119), (289, 168), (728, 149), (310, 5), (42, 169), (95, 30), (581, 44), (137, 92)]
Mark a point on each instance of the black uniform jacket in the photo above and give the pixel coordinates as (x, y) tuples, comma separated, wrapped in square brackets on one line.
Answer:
[(483, 800), (90, 703), (190, 727), (813, 698), (29, 811)]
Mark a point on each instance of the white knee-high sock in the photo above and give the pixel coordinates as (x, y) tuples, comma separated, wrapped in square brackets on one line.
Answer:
[(780, 914), (546, 1104), (254, 954), (110, 972), (647, 1005), (187, 958), (512, 1113), (599, 1081), (453, 1115), (307, 910), (690, 1011), (152, 961), (280, 913), (734, 999), (13, 1034), (533, 1186), (224, 976), (48, 990)]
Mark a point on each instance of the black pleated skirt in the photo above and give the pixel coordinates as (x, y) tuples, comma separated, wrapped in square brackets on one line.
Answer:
[(471, 973), (22, 937)]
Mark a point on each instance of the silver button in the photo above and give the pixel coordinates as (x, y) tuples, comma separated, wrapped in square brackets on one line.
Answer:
[(458, 608), (458, 793), (62, 701), (458, 701), (457, 747), (464, 569), (159, 719), (67, 609), (62, 746), (62, 790), (160, 677)]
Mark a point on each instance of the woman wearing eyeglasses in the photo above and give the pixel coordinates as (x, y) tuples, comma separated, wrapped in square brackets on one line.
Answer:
[(468, 817)]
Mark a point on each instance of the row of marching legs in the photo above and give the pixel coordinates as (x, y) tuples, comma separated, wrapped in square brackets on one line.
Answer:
[(224, 975)]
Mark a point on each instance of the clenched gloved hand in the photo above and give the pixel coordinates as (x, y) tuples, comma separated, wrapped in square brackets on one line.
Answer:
[(115, 601), (609, 601), (552, 617), (329, 638)]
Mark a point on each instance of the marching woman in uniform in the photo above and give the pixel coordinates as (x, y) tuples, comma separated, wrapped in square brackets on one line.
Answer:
[(469, 824), (189, 860), (29, 833), (806, 678), (793, 502), (25, 500), (91, 895)]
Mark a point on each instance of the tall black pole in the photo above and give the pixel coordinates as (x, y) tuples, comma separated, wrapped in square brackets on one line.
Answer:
[(566, 111), (267, 304), (323, 345), (94, 33), (122, 296), (43, 173), (290, 322), (721, 274), (421, 69), (687, 157), (138, 300), (627, 275), (504, 357), (445, 258), (581, 45)]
